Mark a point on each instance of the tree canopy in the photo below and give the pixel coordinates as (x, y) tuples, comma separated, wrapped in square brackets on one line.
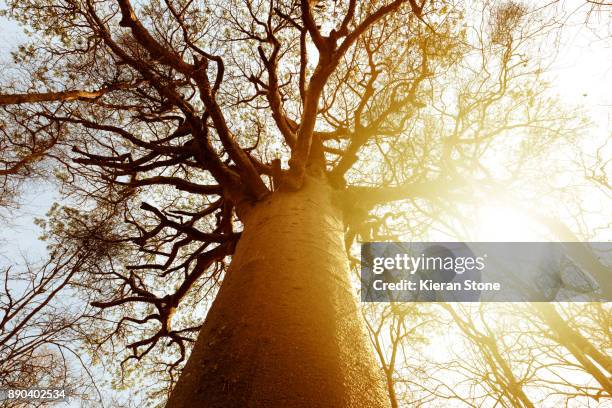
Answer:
[(165, 122)]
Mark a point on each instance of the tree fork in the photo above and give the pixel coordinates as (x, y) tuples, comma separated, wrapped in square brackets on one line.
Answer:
[(284, 329)]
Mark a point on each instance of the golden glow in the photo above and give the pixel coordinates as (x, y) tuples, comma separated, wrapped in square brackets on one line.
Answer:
[(505, 223)]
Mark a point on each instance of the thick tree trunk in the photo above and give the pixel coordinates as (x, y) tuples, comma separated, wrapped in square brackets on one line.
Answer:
[(284, 330)]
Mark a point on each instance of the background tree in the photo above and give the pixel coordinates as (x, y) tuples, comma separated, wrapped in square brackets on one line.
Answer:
[(39, 325)]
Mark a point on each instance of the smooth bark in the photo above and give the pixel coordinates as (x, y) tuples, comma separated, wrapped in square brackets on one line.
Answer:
[(284, 330)]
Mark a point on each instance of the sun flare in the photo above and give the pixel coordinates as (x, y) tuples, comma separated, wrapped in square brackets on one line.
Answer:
[(506, 224)]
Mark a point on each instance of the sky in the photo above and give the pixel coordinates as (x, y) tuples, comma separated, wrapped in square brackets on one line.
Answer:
[(584, 61)]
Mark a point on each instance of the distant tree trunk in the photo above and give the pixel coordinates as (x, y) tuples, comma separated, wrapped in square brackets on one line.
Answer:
[(580, 347), (284, 329)]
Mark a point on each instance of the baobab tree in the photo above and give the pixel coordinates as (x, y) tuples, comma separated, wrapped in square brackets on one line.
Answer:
[(235, 149)]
